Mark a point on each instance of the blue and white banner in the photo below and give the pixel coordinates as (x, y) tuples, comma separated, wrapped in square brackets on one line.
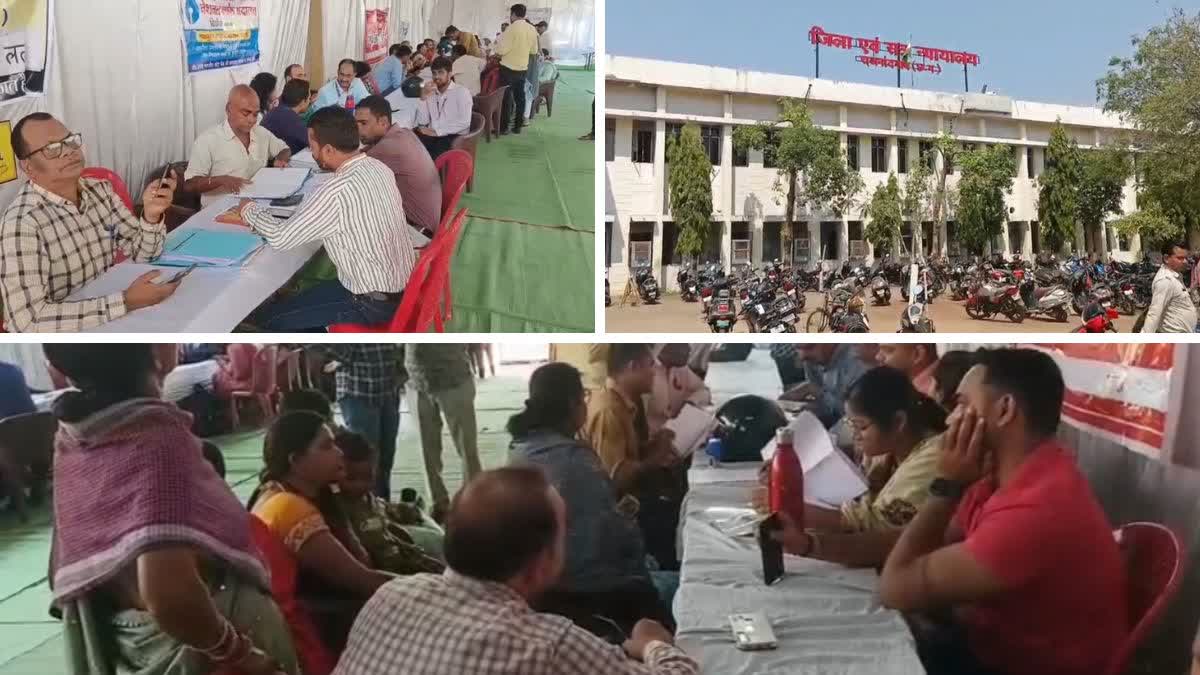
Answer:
[(220, 33)]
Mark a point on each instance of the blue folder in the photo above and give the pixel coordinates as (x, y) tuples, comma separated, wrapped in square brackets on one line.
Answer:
[(208, 248)]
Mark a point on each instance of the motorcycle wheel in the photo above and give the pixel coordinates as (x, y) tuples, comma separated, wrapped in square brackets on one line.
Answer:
[(1060, 314), (817, 321), (1016, 314), (975, 311)]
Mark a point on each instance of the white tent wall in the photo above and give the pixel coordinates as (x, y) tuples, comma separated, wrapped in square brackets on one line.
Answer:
[(345, 22), (117, 76)]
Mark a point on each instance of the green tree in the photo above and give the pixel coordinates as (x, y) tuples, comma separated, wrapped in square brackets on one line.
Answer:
[(1155, 227), (1058, 190), (802, 150), (884, 214), (943, 196), (987, 177), (1158, 91), (689, 183), (1103, 174), (917, 204)]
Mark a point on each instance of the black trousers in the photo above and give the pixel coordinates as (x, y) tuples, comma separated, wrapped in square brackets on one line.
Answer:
[(437, 145), (514, 98), (622, 606)]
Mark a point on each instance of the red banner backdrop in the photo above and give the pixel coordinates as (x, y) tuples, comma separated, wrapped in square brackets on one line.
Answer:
[(900, 55), (376, 38), (1123, 392)]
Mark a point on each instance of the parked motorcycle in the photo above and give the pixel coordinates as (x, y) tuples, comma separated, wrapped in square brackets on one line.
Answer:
[(999, 295), (722, 315), (1048, 301), (881, 291), (689, 289), (915, 317), (1097, 319), (647, 285)]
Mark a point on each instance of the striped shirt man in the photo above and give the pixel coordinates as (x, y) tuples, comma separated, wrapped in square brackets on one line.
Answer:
[(49, 248), (359, 218), (432, 625)]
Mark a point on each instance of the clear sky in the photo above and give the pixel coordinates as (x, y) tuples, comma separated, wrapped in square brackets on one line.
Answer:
[(1039, 50)]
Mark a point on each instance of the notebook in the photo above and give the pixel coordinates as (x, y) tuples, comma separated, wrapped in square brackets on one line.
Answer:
[(208, 248), (692, 426)]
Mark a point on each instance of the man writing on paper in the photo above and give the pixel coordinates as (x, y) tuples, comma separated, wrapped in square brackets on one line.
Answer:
[(416, 176), (358, 217), (62, 231), (445, 110), (225, 158)]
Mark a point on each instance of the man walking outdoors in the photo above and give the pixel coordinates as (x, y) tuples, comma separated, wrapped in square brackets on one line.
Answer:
[(442, 385), (1171, 309)]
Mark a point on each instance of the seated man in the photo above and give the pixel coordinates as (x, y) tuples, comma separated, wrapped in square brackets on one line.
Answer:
[(286, 120), (358, 218), (62, 231), (390, 72), (342, 89), (642, 465), (829, 370), (445, 110), (225, 158), (15, 398), (1011, 538), (505, 542), (918, 361), (675, 384), (416, 177), (467, 69), (294, 72)]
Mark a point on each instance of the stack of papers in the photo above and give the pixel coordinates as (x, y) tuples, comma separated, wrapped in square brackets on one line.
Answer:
[(208, 248), (692, 427), (270, 183), (830, 477), (303, 159)]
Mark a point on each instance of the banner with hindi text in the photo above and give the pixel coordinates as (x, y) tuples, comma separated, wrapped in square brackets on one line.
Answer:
[(376, 39), (220, 33), (24, 48)]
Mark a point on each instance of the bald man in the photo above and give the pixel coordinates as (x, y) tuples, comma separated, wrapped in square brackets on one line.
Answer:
[(226, 157), (505, 546)]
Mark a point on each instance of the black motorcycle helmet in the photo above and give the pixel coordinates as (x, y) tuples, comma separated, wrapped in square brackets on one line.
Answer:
[(748, 423), (411, 87)]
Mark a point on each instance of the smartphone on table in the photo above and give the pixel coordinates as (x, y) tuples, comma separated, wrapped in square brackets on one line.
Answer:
[(772, 551)]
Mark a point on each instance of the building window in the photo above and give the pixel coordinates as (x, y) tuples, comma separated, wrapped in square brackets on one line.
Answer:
[(772, 241), (852, 152), (902, 154), (710, 137), (741, 156), (878, 154), (643, 142), (610, 140), (670, 236), (1029, 162), (769, 150), (830, 231), (740, 243), (673, 131), (801, 252), (925, 149), (641, 244), (712, 245)]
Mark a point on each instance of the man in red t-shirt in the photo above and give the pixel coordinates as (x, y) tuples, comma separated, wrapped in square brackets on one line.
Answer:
[(1011, 538)]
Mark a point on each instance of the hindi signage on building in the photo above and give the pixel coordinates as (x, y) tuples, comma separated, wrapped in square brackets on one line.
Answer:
[(895, 55), (220, 33), (24, 48)]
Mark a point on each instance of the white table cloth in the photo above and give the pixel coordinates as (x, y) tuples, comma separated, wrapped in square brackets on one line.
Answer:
[(210, 300), (827, 618)]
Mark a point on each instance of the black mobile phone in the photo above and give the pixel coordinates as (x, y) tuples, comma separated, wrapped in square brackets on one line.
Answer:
[(179, 277), (772, 551)]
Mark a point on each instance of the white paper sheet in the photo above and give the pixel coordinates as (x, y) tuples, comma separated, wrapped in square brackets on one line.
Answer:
[(304, 159), (272, 183), (830, 478), (692, 427)]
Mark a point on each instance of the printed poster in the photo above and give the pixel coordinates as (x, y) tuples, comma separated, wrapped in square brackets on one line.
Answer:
[(220, 33), (24, 48), (376, 40)]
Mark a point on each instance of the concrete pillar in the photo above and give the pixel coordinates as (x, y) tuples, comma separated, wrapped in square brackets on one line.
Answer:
[(756, 239), (894, 154), (815, 252), (623, 147), (844, 239), (1023, 163), (724, 202), (657, 257), (1027, 243), (660, 155), (726, 245)]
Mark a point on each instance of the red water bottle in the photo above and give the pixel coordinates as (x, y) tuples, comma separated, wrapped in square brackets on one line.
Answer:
[(350, 102), (787, 478)]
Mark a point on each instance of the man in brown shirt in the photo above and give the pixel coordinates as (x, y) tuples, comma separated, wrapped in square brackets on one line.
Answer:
[(416, 177)]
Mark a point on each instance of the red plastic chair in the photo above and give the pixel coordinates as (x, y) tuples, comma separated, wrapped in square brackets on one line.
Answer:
[(118, 186), (455, 167), (315, 657), (1154, 571), (440, 308), (264, 386)]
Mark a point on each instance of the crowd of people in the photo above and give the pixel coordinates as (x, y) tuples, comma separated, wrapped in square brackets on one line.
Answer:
[(985, 533), (63, 231)]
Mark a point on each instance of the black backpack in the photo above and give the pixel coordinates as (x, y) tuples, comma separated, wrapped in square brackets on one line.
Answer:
[(210, 415)]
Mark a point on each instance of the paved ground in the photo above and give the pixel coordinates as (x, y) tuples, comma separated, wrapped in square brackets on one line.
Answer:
[(673, 315)]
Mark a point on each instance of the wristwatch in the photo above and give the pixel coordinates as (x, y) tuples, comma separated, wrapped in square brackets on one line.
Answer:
[(947, 489)]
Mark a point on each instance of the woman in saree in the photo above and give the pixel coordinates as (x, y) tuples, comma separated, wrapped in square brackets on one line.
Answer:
[(898, 430), (296, 501), (152, 569)]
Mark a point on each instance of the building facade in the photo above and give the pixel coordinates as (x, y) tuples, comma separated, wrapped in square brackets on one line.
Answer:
[(882, 129)]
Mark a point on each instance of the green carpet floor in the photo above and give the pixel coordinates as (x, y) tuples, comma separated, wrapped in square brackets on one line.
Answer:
[(526, 261), (30, 641)]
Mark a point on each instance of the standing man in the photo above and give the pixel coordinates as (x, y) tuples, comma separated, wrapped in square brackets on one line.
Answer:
[(516, 47), (1171, 309), (918, 361), (416, 176), (829, 370), (345, 90), (545, 40), (358, 218), (62, 231), (467, 70), (225, 158), (369, 381), (445, 110), (442, 386)]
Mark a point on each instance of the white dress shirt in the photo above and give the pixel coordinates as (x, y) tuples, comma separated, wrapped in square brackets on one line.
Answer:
[(218, 152), (447, 112), (467, 70), (359, 218), (1171, 309)]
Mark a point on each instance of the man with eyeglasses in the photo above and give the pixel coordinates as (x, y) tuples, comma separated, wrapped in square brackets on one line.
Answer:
[(62, 231)]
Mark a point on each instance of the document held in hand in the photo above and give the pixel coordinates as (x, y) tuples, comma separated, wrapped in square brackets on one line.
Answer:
[(692, 426)]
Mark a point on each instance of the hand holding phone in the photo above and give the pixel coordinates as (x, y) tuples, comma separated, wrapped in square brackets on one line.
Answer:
[(179, 276)]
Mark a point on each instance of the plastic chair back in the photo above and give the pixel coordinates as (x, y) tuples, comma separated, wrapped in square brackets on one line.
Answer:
[(491, 106), (1153, 571), (470, 141), (264, 373), (456, 168), (315, 657), (111, 176), (438, 307), (407, 313)]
